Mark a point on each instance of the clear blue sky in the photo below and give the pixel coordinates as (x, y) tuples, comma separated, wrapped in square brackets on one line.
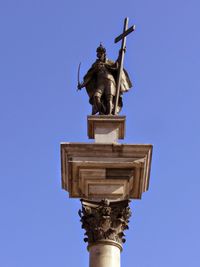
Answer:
[(41, 44)]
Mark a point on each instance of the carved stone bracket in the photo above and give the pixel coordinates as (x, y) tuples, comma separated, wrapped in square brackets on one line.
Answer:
[(105, 221)]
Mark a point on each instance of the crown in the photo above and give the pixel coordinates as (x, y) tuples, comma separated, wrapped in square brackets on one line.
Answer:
[(101, 48)]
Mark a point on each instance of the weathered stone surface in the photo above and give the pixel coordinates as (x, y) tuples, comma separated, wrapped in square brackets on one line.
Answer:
[(112, 171), (104, 254), (105, 220), (106, 129)]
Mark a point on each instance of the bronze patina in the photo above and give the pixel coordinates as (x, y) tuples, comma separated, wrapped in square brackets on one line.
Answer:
[(106, 80)]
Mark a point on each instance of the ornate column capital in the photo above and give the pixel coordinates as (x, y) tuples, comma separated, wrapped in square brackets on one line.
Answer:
[(105, 221)]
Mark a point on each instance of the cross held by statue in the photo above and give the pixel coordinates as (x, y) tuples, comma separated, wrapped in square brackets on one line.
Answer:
[(121, 37)]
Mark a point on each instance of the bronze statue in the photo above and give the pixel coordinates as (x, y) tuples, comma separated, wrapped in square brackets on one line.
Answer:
[(106, 80)]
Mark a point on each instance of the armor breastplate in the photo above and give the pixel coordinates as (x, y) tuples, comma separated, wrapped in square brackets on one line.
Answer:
[(103, 73)]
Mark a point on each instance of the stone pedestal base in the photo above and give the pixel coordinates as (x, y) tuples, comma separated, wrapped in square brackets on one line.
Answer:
[(106, 129)]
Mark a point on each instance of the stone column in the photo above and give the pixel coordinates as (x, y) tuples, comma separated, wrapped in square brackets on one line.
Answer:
[(104, 223), (104, 170)]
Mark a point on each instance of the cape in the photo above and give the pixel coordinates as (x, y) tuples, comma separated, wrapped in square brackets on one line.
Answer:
[(90, 80)]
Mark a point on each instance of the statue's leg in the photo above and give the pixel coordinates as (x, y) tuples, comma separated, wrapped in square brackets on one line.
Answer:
[(110, 92), (94, 109), (97, 101), (109, 102)]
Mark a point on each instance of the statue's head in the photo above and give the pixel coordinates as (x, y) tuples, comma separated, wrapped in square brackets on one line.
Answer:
[(101, 52)]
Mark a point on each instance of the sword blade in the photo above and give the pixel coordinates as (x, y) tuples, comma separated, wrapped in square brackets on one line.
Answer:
[(78, 76), (79, 67)]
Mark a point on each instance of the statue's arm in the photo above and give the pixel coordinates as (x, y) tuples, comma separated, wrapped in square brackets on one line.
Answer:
[(87, 77), (83, 84), (113, 65), (119, 56)]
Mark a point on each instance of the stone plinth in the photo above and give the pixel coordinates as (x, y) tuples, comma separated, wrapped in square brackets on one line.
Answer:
[(106, 129), (98, 171)]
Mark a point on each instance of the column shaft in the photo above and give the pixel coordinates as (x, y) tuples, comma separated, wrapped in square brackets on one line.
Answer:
[(104, 255)]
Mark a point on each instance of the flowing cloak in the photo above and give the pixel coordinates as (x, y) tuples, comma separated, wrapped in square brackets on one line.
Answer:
[(90, 80)]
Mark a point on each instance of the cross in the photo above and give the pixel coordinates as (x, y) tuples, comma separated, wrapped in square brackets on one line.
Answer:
[(122, 37)]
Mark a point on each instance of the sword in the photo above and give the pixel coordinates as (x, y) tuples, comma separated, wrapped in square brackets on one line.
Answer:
[(78, 77)]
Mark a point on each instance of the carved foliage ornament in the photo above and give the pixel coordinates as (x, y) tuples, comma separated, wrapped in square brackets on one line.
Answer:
[(105, 220)]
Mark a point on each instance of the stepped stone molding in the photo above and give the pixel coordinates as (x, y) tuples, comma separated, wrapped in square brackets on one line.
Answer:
[(105, 171)]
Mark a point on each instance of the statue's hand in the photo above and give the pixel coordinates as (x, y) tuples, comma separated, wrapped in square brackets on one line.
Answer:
[(79, 86), (124, 50)]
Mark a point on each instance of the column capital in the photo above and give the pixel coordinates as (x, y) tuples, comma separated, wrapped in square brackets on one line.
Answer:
[(105, 221)]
